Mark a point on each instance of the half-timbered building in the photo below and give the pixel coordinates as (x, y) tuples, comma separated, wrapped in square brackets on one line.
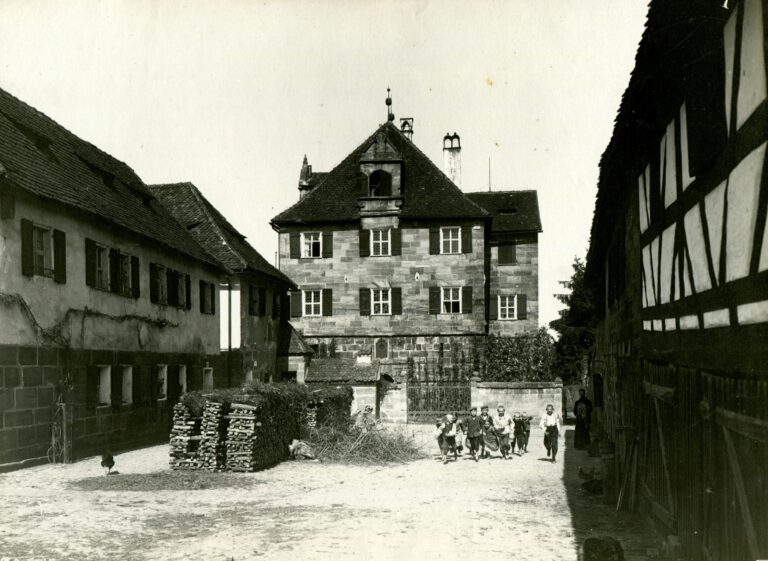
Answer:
[(679, 261)]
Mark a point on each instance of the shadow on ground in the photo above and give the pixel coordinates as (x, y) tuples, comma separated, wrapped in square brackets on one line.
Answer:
[(591, 516)]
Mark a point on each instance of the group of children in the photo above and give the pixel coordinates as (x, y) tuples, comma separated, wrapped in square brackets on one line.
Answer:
[(484, 433)]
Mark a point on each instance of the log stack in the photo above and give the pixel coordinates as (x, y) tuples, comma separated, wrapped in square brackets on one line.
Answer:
[(241, 438), (213, 432), (185, 439)]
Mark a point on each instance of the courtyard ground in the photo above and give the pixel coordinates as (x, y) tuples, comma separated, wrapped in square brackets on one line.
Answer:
[(526, 507)]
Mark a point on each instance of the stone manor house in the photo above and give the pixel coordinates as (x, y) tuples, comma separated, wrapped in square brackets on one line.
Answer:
[(393, 260)]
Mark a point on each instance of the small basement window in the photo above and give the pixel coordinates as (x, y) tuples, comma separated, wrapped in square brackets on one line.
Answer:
[(127, 385), (105, 385)]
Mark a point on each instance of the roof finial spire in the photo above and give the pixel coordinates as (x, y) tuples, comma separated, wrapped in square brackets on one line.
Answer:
[(390, 115)]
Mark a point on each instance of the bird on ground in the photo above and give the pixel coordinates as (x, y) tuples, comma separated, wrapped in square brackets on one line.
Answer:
[(108, 462)]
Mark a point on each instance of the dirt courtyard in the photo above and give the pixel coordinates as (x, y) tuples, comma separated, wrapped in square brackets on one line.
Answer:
[(526, 507)]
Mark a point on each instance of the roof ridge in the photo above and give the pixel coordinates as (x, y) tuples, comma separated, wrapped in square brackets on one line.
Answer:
[(427, 158)]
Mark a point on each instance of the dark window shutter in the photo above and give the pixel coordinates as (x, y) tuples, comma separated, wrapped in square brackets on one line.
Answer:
[(508, 254), (365, 243), (493, 307), (136, 277), (27, 248), (154, 275), (251, 295), (466, 299), (295, 303), (434, 241), (154, 375), (327, 244), (188, 291), (397, 241), (91, 386), (327, 302), (90, 262), (212, 292), (466, 239), (522, 306), (434, 299), (114, 270), (262, 302), (295, 243), (397, 301), (116, 389), (59, 257), (365, 301)]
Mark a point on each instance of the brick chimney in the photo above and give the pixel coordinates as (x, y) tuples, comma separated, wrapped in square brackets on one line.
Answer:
[(452, 157)]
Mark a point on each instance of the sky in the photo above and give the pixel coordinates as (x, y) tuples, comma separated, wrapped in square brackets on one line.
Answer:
[(231, 94)]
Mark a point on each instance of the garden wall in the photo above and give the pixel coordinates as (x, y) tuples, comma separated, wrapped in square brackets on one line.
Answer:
[(531, 397)]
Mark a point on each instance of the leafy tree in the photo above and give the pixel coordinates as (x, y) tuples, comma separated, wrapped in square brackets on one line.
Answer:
[(528, 358), (575, 326)]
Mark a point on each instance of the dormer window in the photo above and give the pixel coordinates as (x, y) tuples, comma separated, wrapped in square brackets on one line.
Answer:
[(380, 184)]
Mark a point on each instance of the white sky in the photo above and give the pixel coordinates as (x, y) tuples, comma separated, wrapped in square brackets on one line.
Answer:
[(231, 94)]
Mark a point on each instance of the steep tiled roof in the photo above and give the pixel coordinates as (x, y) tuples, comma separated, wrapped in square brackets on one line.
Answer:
[(291, 343), (43, 158), (512, 211), (212, 231), (342, 371), (428, 193)]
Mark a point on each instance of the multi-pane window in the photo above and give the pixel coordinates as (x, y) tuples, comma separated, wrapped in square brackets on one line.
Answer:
[(312, 303), (161, 284), (451, 300), (311, 244), (127, 385), (124, 260), (508, 307), (105, 385), (101, 263), (380, 242), (381, 302), (162, 381), (42, 243), (450, 240)]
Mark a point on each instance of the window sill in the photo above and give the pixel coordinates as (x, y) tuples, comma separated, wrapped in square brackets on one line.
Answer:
[(452, 253)]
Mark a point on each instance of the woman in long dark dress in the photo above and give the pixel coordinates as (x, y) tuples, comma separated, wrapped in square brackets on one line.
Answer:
[(583, 411)]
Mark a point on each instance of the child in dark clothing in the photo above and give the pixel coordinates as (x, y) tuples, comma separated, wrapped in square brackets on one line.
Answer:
[(490, 438), (473, 428), (485, 417), (519, 433), (526, 430)]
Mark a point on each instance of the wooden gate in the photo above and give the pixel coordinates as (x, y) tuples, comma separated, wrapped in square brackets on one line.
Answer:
[(427, 401)]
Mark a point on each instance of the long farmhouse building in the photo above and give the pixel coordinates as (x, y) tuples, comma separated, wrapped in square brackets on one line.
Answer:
[(392, 259), (679, 262)]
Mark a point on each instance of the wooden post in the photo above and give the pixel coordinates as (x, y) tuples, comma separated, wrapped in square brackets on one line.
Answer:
[(65, 433), (746, 515)]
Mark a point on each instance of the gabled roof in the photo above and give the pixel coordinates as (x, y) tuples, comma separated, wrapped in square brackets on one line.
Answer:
[(428, 193), (43, 158), (291, 343), (512, 211), (212, 231), (342, 371)]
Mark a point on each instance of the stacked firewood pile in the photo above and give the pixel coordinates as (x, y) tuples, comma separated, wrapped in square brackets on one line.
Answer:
[(213, 435), (250, 428), (241, 438), (185, 438)]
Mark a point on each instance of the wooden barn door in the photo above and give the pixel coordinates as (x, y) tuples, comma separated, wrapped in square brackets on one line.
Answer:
[(737, 465)]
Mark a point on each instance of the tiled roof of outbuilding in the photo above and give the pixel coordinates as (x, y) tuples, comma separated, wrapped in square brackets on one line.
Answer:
[(212, 231), (43, 158), (342, 371), (512, 211), (428, 193), (291, 343)]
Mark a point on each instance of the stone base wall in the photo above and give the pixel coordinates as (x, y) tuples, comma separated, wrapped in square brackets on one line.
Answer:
[(394, 404), (531, 397), (31, 383), (362, 396)]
